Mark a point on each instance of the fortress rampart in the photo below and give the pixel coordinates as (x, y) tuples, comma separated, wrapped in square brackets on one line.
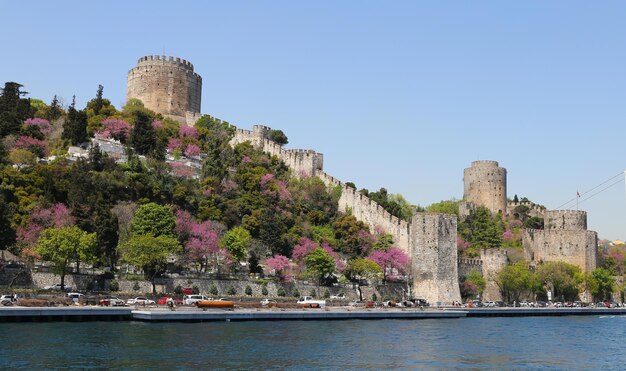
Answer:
[(166, 85), (576, 247), (485, 185), (494, 260), (429, 239), (565, 220)]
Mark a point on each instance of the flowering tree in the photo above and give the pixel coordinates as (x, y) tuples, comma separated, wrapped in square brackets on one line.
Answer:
[(278, 264), (56, 216), (192, 150), (116, 129), (393, 262), (42, 124), (173, 144), (507, 235), (36, 146), (188, 131), (202, 245), (181, 170), (302, 249), (184, 224), (156, 124)]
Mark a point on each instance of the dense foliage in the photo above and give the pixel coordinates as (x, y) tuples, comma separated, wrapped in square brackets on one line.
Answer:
[(239, 206)]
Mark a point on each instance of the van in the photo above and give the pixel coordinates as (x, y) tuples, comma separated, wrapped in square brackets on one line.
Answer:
[(193, 299), (75, 296)]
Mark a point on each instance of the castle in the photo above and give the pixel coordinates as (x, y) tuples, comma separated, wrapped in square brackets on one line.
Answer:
[(168, 86)]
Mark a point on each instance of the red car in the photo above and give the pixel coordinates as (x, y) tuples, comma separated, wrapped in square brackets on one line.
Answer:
[(187, 291), (165, 299)]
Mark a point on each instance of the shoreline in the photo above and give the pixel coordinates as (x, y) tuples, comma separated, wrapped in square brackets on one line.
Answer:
[(191, 314)]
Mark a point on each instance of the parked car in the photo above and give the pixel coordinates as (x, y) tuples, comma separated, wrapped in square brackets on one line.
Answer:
[(75, 296), (187, 291), (140, 300), (168, 300), (112, 301), (339, 296), (489, 304), (8, 299), (57, 286), (193, 299)]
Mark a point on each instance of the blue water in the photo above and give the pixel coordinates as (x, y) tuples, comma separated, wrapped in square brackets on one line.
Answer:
[(560, 343)]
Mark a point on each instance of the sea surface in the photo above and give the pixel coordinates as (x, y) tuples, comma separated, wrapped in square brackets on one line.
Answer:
[(559, 343)]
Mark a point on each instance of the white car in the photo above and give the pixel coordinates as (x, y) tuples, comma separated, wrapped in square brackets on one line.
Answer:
[(267, 302), (340, 296), (193, 299), (8, 299), (75, 296), (140, 300), (57, 286)]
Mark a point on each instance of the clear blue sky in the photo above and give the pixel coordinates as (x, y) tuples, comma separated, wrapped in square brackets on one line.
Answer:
[(401, 94)]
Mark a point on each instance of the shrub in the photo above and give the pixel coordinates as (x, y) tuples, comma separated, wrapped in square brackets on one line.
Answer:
[(312, 293), (295, 293), (114, 285), (374, 297), (326, 294), (178, 290), (264, 289), (195, 289), (231, 290), (136, 286), (248, 290), (213, 290), (281, 291)]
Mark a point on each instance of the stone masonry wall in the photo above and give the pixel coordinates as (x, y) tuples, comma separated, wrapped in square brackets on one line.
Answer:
[(433, 239), (168, 86), (434, 258), (494, 260), (575, 220), (576, 247), (485, 185)]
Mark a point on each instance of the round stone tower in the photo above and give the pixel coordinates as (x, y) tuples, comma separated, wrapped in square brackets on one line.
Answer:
[(485, 185), (568, 220), (166, 85)]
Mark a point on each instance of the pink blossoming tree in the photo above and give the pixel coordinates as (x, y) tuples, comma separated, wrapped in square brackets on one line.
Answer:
[(393, 261)]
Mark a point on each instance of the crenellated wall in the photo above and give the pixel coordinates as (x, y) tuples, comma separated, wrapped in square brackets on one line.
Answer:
[(166, 85), (431, 240)]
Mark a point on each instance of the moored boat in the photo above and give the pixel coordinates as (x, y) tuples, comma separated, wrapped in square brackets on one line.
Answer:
[(215, 304)]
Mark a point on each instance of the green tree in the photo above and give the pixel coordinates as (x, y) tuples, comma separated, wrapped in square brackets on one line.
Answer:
[(319, 264), (150, 253), (601, 284), (54, 109), (279, 137), (154, 219), (98, 101), (517, 282), (482, 229), (445, 207), (61, 246), (237, 241), (563, 279), (75, 125), (13, 109), (143, 137)]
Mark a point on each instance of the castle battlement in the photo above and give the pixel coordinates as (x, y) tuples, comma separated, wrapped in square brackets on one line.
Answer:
[(471, 262), (149, 59), (565, 219), (488, 163)]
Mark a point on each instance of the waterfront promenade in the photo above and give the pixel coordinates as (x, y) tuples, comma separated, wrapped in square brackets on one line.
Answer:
[(190, 314)]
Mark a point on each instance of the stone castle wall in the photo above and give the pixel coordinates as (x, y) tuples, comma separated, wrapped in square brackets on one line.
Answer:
[(166, 85), (573, 220), (433, 237), (494, 260), (576, 247), (434, 258), (485, 185)]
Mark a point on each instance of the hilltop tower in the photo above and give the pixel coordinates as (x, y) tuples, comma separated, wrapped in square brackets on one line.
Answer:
[(166, 85), (485, 185)]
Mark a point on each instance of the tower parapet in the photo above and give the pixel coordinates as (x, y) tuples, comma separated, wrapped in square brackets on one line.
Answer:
[(166, 85), (485, 185), (569, 220)]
